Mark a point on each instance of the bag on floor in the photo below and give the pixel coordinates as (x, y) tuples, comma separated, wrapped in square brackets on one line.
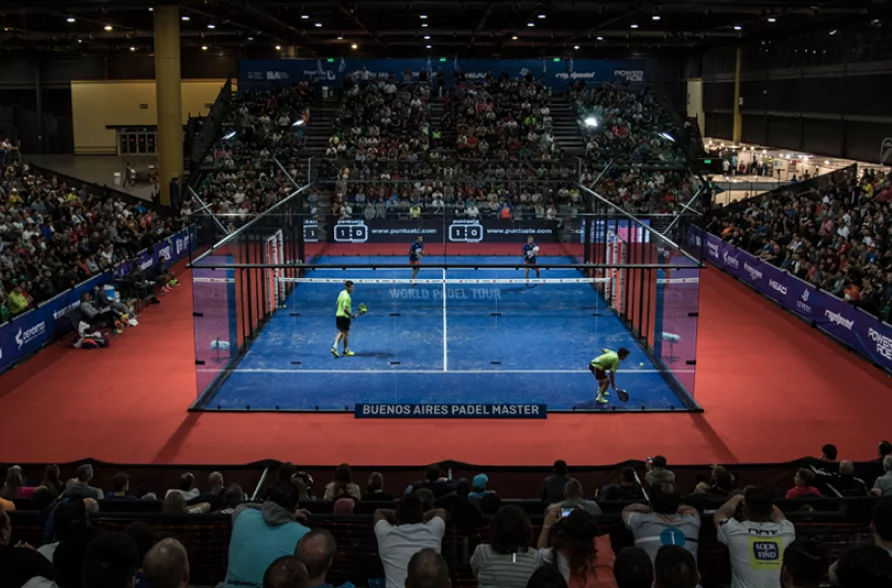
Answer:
[(92, 342)]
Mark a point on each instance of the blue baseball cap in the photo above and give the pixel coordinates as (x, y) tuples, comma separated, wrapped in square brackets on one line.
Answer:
[(480, 481)]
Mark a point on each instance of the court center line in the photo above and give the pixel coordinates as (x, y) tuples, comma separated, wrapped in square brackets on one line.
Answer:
[(400, 371), (445, 340)]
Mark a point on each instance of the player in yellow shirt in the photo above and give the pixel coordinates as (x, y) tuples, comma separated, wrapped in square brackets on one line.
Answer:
[(342, 318), (603, 368)]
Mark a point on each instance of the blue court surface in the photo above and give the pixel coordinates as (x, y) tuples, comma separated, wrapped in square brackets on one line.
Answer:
[(455, 343)]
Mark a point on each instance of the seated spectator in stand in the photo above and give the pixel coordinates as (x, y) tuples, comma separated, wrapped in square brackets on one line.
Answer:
[(721, 482), (829, 453), (120, 488), (166, 565), (80, 486), (553, 486), (404, 532), (864, 565), (187, 487), (70, 520), (96, 318), (51, 480), (13, 485), (121, 311), (804, 565), (575, 545), (375, 489), (573, 498), (665, 521), (342, 485), (427, 569), (68, 562), (883, 485), (657, 472), (343, 506), (110, 561), (175, 503), (316, 550), (880, 526), (215, 482), (507, 561), (674, 567), (627, 489), (548, 576), (846, 483), (232, 498), (763, 523), (803, 488), (261, 534), (439, 486), (286, 572), (633, 569), (486, 501)]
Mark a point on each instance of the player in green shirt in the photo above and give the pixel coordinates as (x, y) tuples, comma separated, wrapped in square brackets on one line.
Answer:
[(342, 318), (603, 367)]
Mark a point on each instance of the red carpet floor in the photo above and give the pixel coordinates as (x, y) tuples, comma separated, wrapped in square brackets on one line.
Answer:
[(772, 389)]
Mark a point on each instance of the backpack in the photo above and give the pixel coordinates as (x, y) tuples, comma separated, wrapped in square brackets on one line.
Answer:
[(91, 342)]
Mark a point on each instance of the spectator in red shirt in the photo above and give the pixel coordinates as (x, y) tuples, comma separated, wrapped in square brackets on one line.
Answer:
[(803, 488)]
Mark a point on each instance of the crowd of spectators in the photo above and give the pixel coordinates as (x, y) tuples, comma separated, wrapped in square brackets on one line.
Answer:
[(836, 237), (640, 190), (275, 542), (54, 236)]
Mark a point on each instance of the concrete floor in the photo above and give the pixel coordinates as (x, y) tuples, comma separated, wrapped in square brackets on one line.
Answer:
[(99, 169)]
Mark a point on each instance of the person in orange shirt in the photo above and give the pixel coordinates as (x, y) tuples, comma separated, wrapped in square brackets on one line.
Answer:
[(851, 292)]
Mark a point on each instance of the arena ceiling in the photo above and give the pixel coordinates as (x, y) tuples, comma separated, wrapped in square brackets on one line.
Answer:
[(416, 27)]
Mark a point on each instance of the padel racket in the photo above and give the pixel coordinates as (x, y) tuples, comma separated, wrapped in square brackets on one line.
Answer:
[(623, 396)]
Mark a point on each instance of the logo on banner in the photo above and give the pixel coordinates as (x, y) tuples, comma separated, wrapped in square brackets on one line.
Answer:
[(65, 310), (753, 272), (466, 232), (838, 319), (146, 264), (576, 75), (327, 74), (695, 240), (22, 338), (712, 249), (630, 75), (181, 244), (777, 286), (164, 253), (351, 232), (481, 76), (884, 343), (802, 303), (729, 260)]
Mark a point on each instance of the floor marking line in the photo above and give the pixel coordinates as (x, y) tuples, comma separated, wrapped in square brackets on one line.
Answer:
[(410, 371)]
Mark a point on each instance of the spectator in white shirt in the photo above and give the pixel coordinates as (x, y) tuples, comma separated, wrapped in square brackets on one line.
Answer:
[(187, 487), (883, 485), (756, 545), (403, 533)]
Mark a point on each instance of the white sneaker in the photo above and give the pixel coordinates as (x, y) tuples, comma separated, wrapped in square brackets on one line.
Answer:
[(133, 322)]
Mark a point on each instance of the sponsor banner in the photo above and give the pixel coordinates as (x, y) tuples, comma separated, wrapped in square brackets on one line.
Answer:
[(436, 231), (450, 411), (852, 327), (32, 330)]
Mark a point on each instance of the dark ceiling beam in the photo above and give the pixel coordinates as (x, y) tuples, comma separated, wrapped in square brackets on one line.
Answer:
[(350, 13), (481, 24), (557, 35)]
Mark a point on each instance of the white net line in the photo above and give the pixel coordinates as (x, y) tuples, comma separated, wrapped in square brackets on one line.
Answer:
[(447, 281)]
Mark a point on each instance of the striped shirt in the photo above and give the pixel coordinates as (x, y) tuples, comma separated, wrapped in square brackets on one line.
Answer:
[(504, 570)]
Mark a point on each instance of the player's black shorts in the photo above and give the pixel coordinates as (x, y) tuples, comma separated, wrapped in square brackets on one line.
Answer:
[(599, 373), (343, 323), (530, 261)]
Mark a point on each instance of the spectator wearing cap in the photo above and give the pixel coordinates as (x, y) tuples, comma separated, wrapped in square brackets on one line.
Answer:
[(120, 488), (507, 561), (633, 569), (404, 532), (657, 472), (803, 488), (479, 494), (763, 526), (573, 498), (80, 485), (553, 486), (664, 522), (883, 485)]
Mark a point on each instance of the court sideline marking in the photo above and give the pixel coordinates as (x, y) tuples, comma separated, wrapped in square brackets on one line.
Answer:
[(445, 340), (399, 371)]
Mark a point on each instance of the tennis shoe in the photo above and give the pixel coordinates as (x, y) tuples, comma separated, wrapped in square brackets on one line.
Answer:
[(348, 353), (334, 352), (600, 399)]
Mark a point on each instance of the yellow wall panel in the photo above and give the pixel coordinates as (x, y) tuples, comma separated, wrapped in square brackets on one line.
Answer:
[(97, 105)]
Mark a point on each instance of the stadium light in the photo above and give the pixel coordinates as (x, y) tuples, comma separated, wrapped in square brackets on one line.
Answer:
[(108, 27), (591, 122), (298, 122), (229, 135), (667, 136), (185, 18), (70, 19), (772, 19), (210, 26)]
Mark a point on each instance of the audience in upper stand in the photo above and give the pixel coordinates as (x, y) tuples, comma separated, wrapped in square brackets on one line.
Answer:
[(803, 485), (508, 560), (187, 487), (80, 487), (721, 482), (440, 486), (633, 569), (342, 485), (664, 521), (642, 191), (120, 488), (553, 486), (756, 544), (481, 498), (175, 503), (404, 532), (835, 238)]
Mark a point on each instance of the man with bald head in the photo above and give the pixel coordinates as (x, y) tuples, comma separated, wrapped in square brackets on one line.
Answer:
[(427, 569), (285, 572), (316, 551), (166, 565), (846, 482)]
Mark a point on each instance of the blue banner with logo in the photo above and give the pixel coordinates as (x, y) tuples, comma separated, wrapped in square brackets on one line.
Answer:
[(852, 327), (259, 75), (30, 331), (450, 411)]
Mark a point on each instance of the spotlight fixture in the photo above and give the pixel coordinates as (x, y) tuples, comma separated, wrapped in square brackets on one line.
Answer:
[(185, 18), (531, 24), (424, 25), (772, 19), (69, 19), (318, 25), (210, 26), (204, 47), (354, 46), (576, 47), (305, 17), (426, 37), (133, 48), (600, 38), (107, 27), (541, 16), (634, 26), (737, 27), (340, 37), (422, 16), (514, 38), (428, 46), (278, 47)]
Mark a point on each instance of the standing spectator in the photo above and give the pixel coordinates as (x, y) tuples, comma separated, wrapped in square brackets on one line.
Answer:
[(657, 472), (187, 487), (864, 565), (80, 486), (166, 565), (803, 485), (286, 572), (19, 563), (675, 567), (633, 569), (573, 498), (883, 485), (507, 561), (110, 562), (375, 489), (260, 535), (553, 486), (120, 488), (665, 521), (342, 485), (316, 550), (404, 532), (756, 545), (584, 556), (627, 489), (427, 569), (804, 565)]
